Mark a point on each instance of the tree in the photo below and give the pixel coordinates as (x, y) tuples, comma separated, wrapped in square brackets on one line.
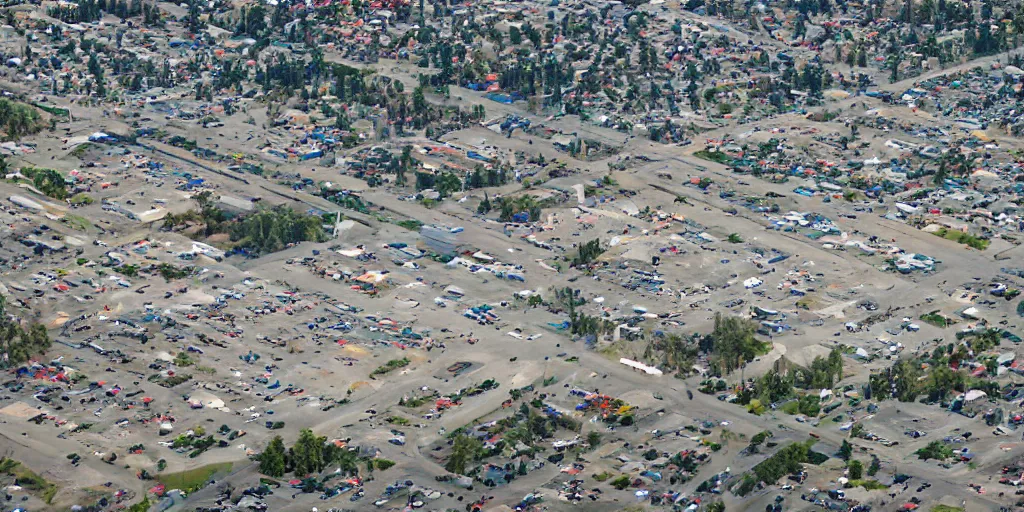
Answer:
[(465, 449), (894, 66), (809, 405), (905, 375), (308, 453), (783, 462), (593, 439), (50, 182), (404, 164), (856, 469), (271, 229), (419, 101), (732, 342), (18, 119), (874, 466), (16, 344), (515, 36), (272, 460), (347, 459), (846, 450), (485, 206), (142, 506), (857, 430), (588, 252), (447, 184), (506, 211)]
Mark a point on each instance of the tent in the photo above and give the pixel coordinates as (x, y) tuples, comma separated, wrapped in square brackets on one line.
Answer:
[(974, 394)]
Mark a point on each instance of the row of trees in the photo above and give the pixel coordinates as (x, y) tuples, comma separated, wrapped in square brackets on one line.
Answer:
[(264, 231), (784, 462), (310, 455), (823, 373), (510, 206), (17, 345), (587, 253), (528, 426), (730, 346), (903, 381), (272, 229)]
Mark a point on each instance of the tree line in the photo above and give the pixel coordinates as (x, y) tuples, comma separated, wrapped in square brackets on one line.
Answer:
[(310, 455), (264, 231)]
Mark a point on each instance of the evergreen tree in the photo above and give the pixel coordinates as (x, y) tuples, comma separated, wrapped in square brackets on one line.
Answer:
[(846, 450), (308, 453), (856, 469), (272, 460)]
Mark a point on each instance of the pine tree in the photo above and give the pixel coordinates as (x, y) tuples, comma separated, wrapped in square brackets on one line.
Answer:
[(856, 469), (485, 205), (272, 460), (308, 453), (846, 450)]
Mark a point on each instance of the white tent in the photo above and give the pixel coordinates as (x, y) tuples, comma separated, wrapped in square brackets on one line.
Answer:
[(974, 394)]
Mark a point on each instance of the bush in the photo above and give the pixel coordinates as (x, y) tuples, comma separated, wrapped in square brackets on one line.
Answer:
[(755, 407), (390, 366), (934, 450), (621, 482), (410, 224), (745, 486), (81, 199), (809, 405)]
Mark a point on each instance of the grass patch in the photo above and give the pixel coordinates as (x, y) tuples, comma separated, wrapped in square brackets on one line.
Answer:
[(714, 156), (934, 318), (77, 222), (28, 479), (400, 421), (791, 407), (946, 508), (963, 238), (871, 485), (192, 480), (81, 199), (410, 224)]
